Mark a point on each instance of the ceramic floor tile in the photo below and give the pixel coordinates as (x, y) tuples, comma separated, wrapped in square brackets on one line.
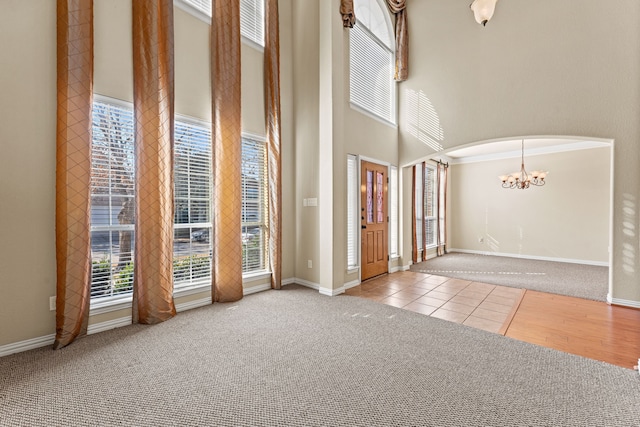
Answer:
[(473, 302), (427, 300), (396, 302), (458, 308), (420, 308), (451, 316), (500, 300), (496, 316), (502, 308), (445, 296), (487, 325), (473, 294)]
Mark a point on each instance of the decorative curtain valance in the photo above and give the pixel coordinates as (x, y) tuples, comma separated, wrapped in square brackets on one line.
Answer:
[(399, 8), (348, 16)]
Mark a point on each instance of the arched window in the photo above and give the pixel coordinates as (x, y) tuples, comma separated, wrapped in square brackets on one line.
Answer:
[(371, 59)]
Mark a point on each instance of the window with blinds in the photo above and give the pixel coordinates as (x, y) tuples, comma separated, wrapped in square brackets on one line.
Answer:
[(112, 200), (430, 206), (418, 193), (371, 59), (251, 16), (252, 20), (192, 247), (254, 205), (352, 212), (393, 211)]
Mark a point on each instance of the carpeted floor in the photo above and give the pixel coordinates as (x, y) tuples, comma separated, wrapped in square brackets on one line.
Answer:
[(297, 358), (575, 280)]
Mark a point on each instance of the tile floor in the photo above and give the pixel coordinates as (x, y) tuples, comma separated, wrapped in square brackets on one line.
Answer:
[(480, 305)]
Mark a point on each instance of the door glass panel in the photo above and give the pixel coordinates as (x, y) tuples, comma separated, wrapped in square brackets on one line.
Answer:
[(380, 196), (369, 196)]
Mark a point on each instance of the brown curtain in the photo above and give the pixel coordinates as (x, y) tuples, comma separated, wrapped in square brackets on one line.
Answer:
[(153, 104), (441, 213), (424, 211), (272, 111), (414, 232), (399, 8), (227, 149), (73, 168), (348, 15)]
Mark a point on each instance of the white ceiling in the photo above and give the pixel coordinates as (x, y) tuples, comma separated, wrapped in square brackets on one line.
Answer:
[(504, 149)]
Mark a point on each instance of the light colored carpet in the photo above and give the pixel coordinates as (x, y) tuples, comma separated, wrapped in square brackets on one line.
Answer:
[(297, 358), (575, 280)]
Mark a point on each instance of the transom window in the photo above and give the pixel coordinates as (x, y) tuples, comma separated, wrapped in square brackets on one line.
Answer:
[(371, 58)]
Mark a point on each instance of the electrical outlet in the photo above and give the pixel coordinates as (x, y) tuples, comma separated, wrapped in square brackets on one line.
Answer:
[(52, 303), (309, 264)]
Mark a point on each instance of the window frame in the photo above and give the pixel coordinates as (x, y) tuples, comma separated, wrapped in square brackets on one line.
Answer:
[(394, 216)]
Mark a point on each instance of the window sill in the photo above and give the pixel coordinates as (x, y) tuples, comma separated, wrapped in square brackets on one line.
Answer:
[(351, 270), (105, 305)]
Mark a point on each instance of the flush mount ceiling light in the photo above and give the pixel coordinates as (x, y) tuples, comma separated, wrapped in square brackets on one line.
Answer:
[(483, 10), (522, 179)]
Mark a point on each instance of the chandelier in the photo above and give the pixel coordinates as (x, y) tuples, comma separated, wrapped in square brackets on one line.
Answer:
[(522, 179), (483, 10)]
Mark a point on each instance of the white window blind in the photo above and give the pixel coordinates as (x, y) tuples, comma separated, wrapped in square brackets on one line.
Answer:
[(254, 205), (371, 54), (112, 198), (393, 211), (430, 206), (252, 20), (192, 204), (352, 211), (251, 16)]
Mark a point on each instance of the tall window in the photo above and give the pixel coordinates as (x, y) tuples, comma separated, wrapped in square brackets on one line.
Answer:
[(112, 200), (371, 59), (393, 211), (113, 194), (430, 206), (352, 212), (192, 247), (251, 16), (254, 203)]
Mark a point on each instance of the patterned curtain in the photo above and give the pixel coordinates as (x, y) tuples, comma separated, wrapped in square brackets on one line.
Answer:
[(272, 111), (73, 168), (227, 148), (348, 15), (399, 8), (153, 104), (441, 213)]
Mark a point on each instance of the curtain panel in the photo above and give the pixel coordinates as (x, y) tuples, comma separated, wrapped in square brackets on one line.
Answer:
[(153, 104), (414, 219), (399, 8), (74, 27), (441, 236), (273, 120), (226, 138)]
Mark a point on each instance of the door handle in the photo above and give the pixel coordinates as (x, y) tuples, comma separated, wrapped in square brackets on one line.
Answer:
[(363, 226)]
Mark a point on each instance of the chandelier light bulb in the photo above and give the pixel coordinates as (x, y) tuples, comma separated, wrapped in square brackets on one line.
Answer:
[(522, 179), (483, 10)]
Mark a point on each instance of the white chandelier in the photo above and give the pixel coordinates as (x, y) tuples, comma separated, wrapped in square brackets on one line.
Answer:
[(522, 179), (483, 10)]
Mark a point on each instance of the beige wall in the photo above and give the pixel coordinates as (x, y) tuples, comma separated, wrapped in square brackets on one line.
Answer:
[(567, 219), (538, 68), (27, 163)]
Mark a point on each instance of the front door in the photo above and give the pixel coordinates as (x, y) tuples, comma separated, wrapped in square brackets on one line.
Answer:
[(374, 221)]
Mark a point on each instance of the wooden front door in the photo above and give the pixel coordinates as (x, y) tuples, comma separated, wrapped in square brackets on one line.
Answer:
[(374, 222)]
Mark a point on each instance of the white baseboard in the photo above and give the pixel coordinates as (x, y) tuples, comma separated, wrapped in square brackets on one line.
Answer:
[(256, 289), (332, 292), (306, 283), (25, 345), (351, 284), (108, 324), (534, 257), (193, 304), (399, 268), (623, 302)]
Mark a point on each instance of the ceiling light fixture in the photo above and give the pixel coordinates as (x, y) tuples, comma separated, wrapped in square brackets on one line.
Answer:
[(522, 179), (483, 10)]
